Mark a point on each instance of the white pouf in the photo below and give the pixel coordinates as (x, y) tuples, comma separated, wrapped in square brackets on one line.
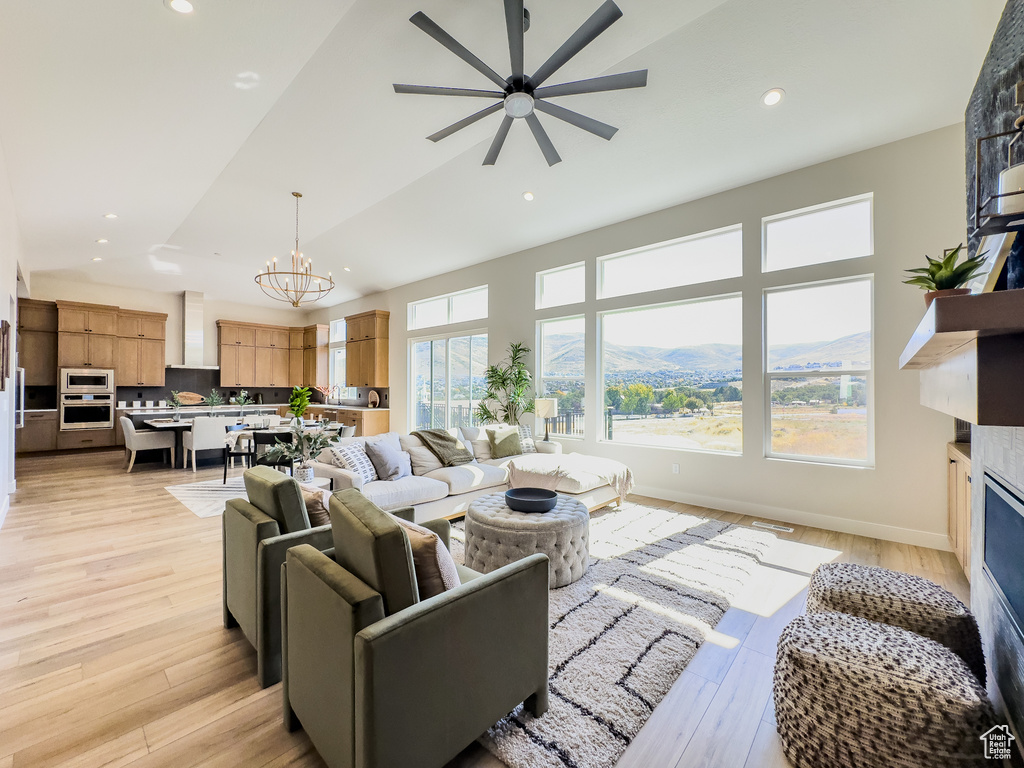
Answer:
[(497, 536)]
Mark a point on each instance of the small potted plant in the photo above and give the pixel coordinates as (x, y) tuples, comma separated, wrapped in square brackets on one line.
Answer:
[(305, 445), (214, 399), (946, 277), (298, 403), (175, 402), (243, 398)]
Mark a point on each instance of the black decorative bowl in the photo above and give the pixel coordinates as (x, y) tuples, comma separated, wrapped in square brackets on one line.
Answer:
[(530, 499)]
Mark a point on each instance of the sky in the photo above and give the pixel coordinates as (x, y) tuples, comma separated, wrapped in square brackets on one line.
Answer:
[(718, 321)]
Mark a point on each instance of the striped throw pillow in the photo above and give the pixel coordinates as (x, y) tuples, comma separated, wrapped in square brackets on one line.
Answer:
[(526, 439), (353, 458)]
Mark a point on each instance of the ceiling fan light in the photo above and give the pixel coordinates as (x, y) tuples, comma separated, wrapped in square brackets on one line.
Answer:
[(519, 104)]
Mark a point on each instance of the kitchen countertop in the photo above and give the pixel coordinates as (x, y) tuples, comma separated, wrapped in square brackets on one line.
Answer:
[(201, 407), (40, 410)]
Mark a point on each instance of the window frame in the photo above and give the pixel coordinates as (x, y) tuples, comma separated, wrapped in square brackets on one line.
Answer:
[(539, 377), (410, 367), (867, 373), (603, 431), (795, 214), (564, 268), (600, 295), (449, 297), (332, 347)]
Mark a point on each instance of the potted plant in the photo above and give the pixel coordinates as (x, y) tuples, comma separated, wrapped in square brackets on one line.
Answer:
[(175, 402), (298, 403), (214, 399), (304, 446), (509, 388), (946, 277), (243, 398)]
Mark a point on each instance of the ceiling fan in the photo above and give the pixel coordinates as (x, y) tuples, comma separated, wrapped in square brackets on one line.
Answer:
[(522, 95)]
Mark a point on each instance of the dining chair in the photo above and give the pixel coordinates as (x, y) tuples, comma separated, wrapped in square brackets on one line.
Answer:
[(265, 438), (146, 440), (207, 434), (241, 448)]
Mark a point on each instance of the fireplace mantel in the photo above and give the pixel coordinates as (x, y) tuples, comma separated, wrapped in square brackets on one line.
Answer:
[(970, 353)]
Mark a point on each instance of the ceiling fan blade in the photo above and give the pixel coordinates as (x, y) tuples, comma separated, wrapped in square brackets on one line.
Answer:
[(595, 127), (422, 21), (514, 24), (637, 79), (499, 139), (550, 154), (446, 132), (602, 18), (434, 90)]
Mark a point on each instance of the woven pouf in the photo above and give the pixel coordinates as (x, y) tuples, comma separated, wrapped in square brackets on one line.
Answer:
[(901, 600), (497, 536), (853, 693)]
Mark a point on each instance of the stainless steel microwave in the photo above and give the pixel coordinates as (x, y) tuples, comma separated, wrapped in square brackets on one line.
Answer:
[(87, 381)]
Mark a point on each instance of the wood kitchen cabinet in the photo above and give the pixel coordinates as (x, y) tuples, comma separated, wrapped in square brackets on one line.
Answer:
[(367, 421), (75, 317), (85, 350), (272, 367), (37, 342), (367, 325), (366, 363), (38, 434), (141, 325), (958, 501), (267, 336), (237, 366), (279, 356), (140, 362), (238, 334)]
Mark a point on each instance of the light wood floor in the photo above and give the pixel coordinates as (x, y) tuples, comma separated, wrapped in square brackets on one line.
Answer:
[(112, 651)]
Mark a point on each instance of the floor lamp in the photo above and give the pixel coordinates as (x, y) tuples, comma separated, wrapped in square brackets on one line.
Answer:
[(546, 408)]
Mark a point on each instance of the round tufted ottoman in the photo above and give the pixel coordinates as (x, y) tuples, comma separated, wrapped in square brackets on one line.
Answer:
[(901, 600), (497, 536), (853, 693)]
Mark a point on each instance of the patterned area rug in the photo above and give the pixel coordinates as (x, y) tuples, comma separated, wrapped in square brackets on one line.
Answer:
[(206, 499), (658, 582)]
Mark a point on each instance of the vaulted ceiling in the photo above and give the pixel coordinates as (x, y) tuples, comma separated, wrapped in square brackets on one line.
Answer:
[(195, 129)]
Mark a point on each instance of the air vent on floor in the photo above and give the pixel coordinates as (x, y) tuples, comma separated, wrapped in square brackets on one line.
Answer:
[(773, 527)]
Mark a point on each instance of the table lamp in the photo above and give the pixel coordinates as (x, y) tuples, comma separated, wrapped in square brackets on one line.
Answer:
[(546, 408)]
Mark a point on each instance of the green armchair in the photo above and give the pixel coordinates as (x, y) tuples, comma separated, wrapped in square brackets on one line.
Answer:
[(379, 678), (256, 535)]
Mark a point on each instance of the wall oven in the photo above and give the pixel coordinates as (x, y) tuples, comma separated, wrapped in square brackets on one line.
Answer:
[(82, 411), (87, 380)]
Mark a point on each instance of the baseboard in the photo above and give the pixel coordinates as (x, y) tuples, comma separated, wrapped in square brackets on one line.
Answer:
[(827, 522), (4, 506)]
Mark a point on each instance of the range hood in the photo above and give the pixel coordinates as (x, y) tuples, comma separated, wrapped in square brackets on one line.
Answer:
[(192, 333)]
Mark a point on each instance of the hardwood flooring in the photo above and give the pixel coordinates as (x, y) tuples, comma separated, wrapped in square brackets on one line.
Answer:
[(112, 651)]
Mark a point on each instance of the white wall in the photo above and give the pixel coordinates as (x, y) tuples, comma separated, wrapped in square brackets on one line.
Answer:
[(918, 187), (47, 288), (10, 253)]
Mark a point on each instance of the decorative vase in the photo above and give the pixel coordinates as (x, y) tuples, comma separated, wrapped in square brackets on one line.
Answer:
[(176, 416), (303, 474), (299, 422), (931, 296)]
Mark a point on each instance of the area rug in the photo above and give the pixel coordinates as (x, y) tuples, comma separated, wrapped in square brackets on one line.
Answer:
[(206, 499), (658, 583)]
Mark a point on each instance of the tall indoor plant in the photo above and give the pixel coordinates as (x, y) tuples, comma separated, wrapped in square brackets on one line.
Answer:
[(945, 277), (509, 389)]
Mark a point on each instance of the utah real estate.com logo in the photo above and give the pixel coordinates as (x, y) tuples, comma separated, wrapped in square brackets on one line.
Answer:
[(997, 742)]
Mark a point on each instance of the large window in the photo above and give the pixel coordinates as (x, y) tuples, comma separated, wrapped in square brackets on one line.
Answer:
[(673, 375), (562, 285), (831, 232), (337, 363), (818, 377), (714, 255), (562, 356), (451, 308), (447, 380)]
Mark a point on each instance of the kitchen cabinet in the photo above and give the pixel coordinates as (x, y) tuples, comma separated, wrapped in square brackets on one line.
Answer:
[(85, 438), (366, 363), (36, 315), (272, 367), (37, 342), (272, 337), (958, 500), (141, 325), (282, 356), (238, 334), (139, 362), (295, 364), (75, 317), (237, 366), (367, 325), (295, 336), (85, 350), (38, 434)]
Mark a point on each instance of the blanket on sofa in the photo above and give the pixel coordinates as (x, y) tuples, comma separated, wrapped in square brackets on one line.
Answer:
[(448, 450), (569, 473)]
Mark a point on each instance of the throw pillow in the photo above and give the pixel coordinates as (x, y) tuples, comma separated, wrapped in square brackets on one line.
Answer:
[(353, 458), (316, 500), (445, 445), (389, 461), (526, 439), (423, 461), (504, 442), (435, 569)]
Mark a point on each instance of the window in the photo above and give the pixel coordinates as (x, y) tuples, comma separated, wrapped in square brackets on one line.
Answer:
[(564, 285), (337, 331), (562, 356), (818, 377), (336, 362), (714, 255), (451, 308), (673, 375), (830, 232), (447, 380)]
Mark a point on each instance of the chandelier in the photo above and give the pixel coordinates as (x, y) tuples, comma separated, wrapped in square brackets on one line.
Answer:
[(298, 283)]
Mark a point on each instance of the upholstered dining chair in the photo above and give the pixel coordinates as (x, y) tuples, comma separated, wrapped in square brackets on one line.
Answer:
[(378, 677), (207, 433), (146, 440)]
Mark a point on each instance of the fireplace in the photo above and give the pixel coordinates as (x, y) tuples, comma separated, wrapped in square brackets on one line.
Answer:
[(1004, 548)]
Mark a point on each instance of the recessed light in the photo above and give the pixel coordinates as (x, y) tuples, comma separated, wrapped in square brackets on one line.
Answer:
[(772, 97), (527, 196), (102, 240), (347, 269), (110, 216), (97, 258), (181, 6)]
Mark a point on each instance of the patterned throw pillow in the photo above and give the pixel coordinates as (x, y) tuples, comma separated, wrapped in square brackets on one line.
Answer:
[(353, 458), (435, 568), (526, 439)]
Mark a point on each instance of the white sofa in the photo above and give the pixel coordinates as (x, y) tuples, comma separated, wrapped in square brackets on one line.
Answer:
[(437, 491)]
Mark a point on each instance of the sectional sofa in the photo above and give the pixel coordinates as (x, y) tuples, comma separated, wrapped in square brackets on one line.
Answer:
[(436, 491)]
